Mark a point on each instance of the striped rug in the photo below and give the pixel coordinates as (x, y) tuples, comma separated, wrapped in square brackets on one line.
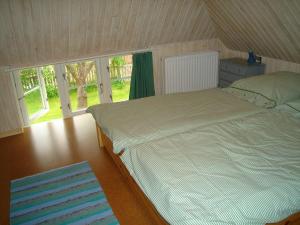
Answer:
[(68, 195)]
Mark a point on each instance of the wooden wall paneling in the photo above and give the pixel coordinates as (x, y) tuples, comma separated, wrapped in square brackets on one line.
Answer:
[(10, 120), (159, 21), (17, 33), (190, 12), (179, 25), (43, 21), (29, 31), (50, 31), (106, 31), (143, 24), (289, 22), (187, 12), (39, 28), (19, 29), (59, 30), (76, 27), (162, 51), (42, 32), (147, 41), (272, 65), (137, 23), (270, 27), (131, 14), (99, 32), (84, 25), (3, 40), (92, 10), (7, 34), (123, 20), (209, 27), (224, 16), (105, 35), (170, 25)]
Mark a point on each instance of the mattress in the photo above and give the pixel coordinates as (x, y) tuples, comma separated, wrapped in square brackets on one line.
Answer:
[(138, 121), (240, 171)]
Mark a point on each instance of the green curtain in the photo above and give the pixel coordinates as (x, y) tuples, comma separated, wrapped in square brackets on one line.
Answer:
[(142, 84)]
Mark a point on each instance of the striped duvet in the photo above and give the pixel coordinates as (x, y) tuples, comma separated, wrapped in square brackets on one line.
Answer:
[(239, 172), (137, 121)]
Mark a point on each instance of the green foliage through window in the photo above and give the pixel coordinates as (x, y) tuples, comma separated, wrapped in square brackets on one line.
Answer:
[(29, 79), (115, 66)]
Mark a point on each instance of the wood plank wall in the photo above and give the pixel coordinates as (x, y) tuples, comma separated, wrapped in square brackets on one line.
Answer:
[(42, 32), (269, 27), (10, 121), (272, 65), (162, 51)]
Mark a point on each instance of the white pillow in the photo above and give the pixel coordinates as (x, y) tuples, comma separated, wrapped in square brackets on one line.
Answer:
[(268, 90)]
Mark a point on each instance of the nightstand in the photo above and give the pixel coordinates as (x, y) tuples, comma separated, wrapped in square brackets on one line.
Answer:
[(236, 68)]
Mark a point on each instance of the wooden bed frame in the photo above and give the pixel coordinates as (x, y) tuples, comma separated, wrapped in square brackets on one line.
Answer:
[(106, 143)]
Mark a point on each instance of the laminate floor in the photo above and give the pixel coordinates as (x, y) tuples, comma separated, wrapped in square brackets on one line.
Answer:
[(59, 143)]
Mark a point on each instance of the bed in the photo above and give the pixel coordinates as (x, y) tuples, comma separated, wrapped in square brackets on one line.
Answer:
[(216, 159)]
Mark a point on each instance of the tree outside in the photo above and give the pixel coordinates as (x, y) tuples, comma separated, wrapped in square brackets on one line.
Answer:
[(82, 83), (79, 72)]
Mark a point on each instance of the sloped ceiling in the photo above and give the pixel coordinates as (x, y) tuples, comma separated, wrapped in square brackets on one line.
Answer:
[(40, 31), (269, 27)]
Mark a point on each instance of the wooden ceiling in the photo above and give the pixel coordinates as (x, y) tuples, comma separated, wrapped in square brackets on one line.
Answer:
[(43, 31), (40, 31), (269, 27)]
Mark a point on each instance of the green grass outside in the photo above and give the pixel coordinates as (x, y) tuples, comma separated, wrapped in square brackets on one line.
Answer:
[(120, 92), (33, 102)]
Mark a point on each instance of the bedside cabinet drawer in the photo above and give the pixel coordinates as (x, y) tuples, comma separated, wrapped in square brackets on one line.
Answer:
[(232, 68), (230, 77), (255, 70), (224, 83)]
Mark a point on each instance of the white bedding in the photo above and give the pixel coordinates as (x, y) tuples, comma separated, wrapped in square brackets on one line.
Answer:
[(291, 107), (134, 122), (241, 171)]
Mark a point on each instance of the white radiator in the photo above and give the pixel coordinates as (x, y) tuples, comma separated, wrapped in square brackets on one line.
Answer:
[(191, 72)]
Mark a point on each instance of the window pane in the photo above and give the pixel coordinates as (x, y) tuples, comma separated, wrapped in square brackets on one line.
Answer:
[(82, 82), (120, 68), (54, 111), (32, 92)]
